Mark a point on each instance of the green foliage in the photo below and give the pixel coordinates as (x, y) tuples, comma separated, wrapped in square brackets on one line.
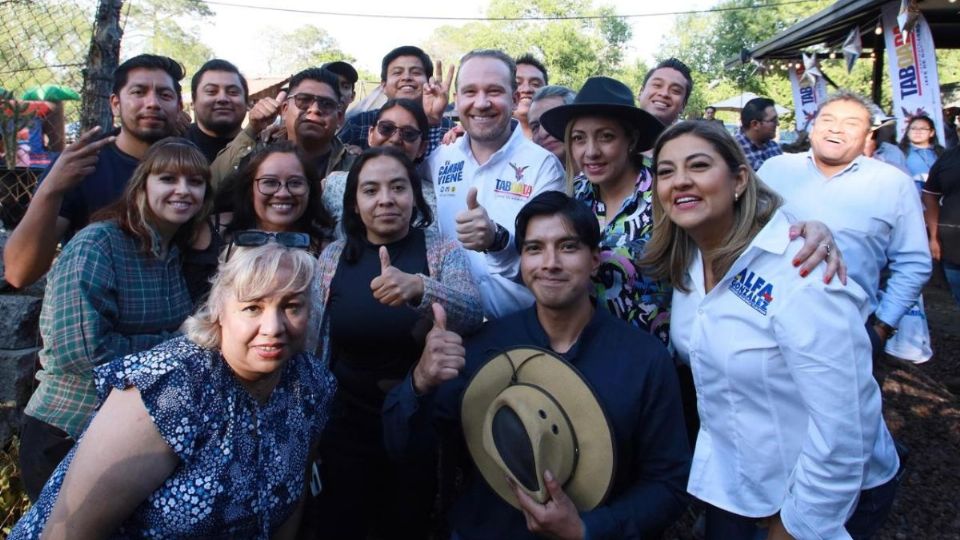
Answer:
[(572, 49), (167, 27), (13, 499), (301, 48)]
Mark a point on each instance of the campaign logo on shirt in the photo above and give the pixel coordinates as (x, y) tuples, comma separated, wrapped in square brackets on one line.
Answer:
[(752, 289), (450, 173), (517, 187)]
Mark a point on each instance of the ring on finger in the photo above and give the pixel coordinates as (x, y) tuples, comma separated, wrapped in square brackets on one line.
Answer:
[(826, 247)]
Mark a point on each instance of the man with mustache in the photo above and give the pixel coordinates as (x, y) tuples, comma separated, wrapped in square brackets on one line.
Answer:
[(310, 113), (92, 172), (219, 92)]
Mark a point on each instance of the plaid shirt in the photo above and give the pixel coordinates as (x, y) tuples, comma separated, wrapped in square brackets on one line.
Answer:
[(105, 298), (355, 129), (756, 155), (618, 283)]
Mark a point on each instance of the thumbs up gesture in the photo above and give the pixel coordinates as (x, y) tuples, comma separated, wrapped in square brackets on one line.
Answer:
[(394, 287), (443, 355), (265, 111), (475, 229)]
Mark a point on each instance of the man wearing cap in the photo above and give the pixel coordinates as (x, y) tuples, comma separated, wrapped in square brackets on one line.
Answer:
[(483, 179), (219, 92), (348, 78), (609, 456), (311, 112), (406, 72), (758, 127)]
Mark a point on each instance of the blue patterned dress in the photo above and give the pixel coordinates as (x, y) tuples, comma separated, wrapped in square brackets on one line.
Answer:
[(242, 464), (619, 284)]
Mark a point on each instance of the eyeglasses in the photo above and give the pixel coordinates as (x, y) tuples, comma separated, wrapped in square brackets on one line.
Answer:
[(407, 134), (296, 185), (255, 238), (326, 105), (924, 129), (773, 120)]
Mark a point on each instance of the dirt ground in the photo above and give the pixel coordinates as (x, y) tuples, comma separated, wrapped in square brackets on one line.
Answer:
[(921, 403)]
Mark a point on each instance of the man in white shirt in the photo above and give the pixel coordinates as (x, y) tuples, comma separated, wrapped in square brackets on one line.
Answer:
[(483, 179), (872, 208)]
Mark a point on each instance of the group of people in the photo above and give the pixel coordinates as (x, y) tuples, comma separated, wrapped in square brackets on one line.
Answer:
[(272, 330)]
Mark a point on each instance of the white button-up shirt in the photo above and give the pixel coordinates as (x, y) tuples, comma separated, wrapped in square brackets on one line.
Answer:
[(790, 412), (875, 214), (513, 175)]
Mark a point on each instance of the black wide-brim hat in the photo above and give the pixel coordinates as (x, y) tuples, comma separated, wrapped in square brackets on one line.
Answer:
[(603, 96)]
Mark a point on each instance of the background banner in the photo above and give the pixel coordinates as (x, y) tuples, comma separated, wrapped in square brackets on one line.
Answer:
[(807, 96)]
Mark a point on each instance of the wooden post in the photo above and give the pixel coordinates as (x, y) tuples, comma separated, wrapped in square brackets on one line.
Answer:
[(102, 61)]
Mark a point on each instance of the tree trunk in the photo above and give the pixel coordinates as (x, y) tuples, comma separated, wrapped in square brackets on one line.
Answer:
[(102, 61)]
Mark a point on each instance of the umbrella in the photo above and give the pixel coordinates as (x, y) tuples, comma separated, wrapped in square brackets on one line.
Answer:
[(736, 103), (51, 92)]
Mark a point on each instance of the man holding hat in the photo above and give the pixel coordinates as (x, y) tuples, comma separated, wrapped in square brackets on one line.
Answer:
[(572, 417)]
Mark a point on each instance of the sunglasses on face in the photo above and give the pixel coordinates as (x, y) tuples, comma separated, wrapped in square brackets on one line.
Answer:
[(407, 134), (326, 105), (295, 185), (254, 238)]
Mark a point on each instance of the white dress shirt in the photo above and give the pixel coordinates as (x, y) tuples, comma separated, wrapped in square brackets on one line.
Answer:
[(875, 214), (790, 412), (513, 175)]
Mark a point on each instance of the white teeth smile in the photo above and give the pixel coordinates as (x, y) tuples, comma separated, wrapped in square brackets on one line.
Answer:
[(281, 206), (683, 200), (180, 204)]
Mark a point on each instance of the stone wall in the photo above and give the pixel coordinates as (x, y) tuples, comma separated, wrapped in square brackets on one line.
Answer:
[(19, 344)]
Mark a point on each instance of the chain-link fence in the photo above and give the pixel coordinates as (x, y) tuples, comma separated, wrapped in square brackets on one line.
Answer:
[(43, 50)]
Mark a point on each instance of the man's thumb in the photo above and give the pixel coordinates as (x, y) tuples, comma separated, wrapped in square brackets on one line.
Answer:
[(384, 259), (439, 317), (472, 203)]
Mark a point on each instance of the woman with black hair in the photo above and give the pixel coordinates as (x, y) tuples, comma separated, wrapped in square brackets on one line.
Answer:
[(920, 145), (375, 291)]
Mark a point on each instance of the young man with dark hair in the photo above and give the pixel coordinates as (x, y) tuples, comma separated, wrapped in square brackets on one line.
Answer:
[(219, 92), (311, 112), (630, 372), (758, 127), (666, 89), (92, 172), (348, 77), (407, 72), (531, 76)]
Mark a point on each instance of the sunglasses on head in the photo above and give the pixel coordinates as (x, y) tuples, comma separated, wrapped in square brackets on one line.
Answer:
[(254, 238), (407, 134)]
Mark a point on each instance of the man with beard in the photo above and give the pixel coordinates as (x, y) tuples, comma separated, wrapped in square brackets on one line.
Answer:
[(483, 179), (92, 173), (531, 76), (310, 113), (219, 94)]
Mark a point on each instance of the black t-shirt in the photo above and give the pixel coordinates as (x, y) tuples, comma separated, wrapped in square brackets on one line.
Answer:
[(210, 146), (944, 180), (102, 187), (373, 345)]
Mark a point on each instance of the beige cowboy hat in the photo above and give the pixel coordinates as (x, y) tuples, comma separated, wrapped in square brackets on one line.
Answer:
[(527, 411)]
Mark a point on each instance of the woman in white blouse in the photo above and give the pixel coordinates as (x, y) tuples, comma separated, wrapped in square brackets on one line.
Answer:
[(791, 434)]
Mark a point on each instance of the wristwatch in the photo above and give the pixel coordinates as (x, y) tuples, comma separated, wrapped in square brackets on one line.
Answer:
[(500, 239), (891, 331)]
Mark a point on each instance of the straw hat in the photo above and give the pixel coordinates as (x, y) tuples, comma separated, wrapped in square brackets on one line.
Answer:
[(526, 411)]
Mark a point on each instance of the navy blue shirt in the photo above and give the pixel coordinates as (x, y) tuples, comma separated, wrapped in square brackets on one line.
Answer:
[(635, 381), (100, 188)]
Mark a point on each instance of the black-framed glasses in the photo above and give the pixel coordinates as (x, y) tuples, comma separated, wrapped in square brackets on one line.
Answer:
[(268, 185), (407, 134), (255, 238), (326, 105)]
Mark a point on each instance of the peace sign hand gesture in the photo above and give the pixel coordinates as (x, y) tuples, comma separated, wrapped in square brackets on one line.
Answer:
[(436, 94)]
